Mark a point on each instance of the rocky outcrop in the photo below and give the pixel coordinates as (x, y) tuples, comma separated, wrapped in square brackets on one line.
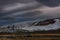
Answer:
[(45, 22)]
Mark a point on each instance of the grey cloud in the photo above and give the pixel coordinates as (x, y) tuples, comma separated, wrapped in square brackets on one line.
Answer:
[(14, 11), (50, 3), (19, 6), (27, 9)]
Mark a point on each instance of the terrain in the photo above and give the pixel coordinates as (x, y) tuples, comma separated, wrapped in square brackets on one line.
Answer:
[(11, 32), (34, 36)]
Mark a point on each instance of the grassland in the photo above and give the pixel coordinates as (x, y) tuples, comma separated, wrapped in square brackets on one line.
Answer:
[(33, 36)]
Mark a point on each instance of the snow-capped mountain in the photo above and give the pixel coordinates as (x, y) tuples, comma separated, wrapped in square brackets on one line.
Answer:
[(30, 26), (29, 15)]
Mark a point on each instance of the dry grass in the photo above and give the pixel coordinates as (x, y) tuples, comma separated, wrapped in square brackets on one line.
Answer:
[(30, 37)]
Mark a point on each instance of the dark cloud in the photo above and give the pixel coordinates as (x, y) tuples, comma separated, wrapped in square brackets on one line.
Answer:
[(51, 3), (19, 10), (28, 11), (3, 2)]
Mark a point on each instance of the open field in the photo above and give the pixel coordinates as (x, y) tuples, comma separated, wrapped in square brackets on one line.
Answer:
[(30, 36)]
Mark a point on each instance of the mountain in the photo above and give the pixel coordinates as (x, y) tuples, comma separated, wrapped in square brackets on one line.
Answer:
[(26, 26), (29, 15)]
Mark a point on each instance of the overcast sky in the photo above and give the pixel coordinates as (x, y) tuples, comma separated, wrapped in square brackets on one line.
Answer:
[(28, 11), (24, 10)]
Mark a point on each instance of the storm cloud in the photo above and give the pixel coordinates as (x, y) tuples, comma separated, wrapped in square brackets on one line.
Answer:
[(14, 11)]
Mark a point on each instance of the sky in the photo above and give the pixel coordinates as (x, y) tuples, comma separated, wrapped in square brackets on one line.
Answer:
[(15, 11), (24, 7)]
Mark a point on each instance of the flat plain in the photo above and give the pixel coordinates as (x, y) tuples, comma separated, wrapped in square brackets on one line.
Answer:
[(34, 36)]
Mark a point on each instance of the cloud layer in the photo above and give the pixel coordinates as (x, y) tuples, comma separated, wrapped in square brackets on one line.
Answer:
[(15, 11)]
